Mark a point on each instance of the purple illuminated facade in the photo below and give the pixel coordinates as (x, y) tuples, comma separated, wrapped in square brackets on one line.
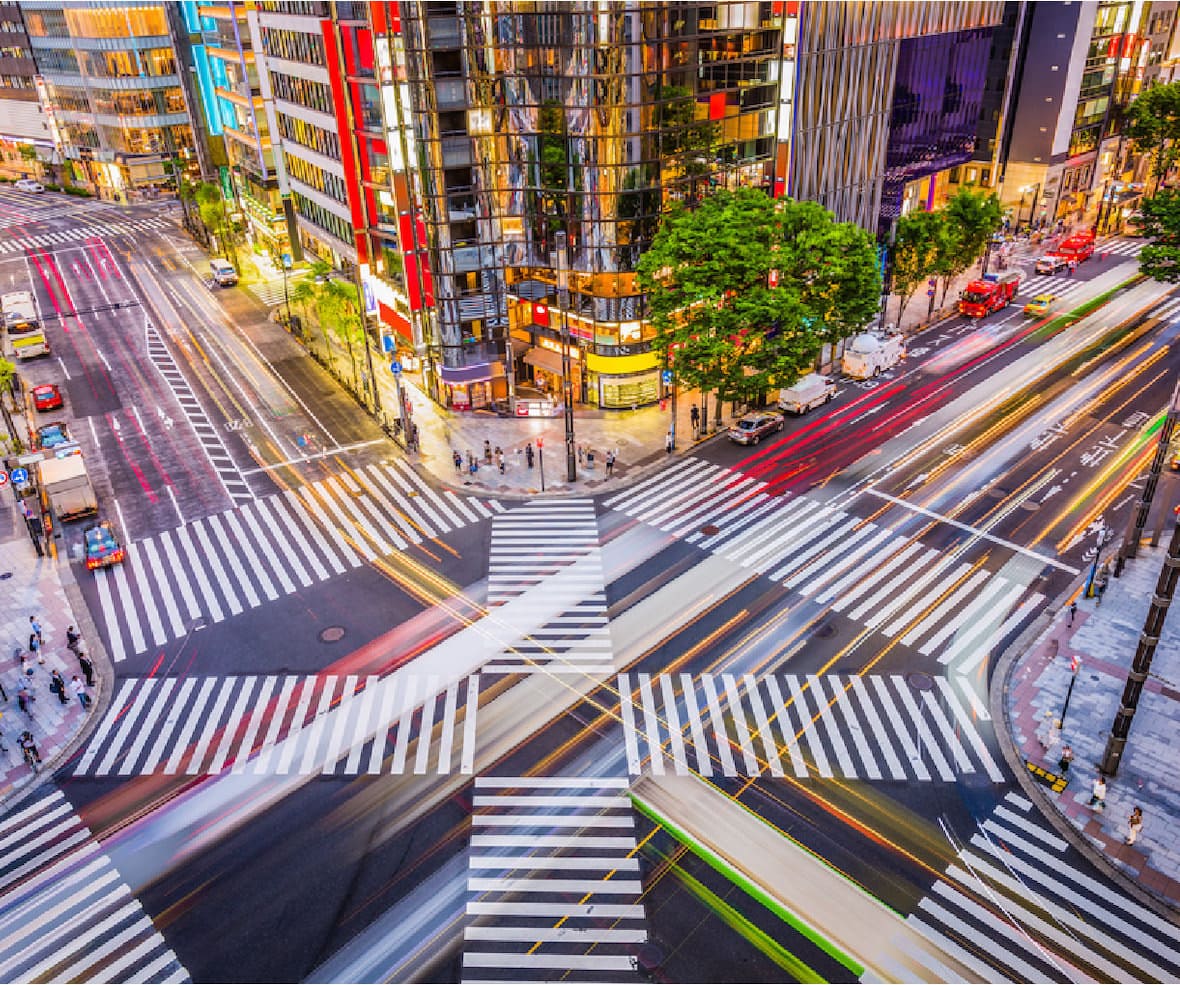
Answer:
[(937, 96)]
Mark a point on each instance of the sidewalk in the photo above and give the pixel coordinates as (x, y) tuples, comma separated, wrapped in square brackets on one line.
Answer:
[(33, 586), (1034, 686)]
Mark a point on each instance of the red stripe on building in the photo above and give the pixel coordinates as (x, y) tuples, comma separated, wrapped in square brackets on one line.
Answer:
[(347, 158)]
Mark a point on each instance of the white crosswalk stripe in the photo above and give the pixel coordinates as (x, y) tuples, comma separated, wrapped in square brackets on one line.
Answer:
[(871, 727), (554, 888), (269, 292), (1059, 285), (220, 565), (552, 543), (68, 915), (937, 602), (201, 726), (80, 234), (1015, 907)]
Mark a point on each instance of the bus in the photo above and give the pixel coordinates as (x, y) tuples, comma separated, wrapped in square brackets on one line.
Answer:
[(23, 336)]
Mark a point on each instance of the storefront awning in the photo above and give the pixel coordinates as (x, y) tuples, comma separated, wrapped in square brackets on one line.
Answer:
[(478, 373), (547, 360)]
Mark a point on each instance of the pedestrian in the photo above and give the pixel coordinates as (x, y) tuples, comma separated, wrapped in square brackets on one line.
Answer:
[(1066, 758), (1073, 265), (73, 639), (1073, 610), (610, 464), (1134, 825), (36, 628), (79, 689), (458, 460), (25, 699), (87, 668), (35, 648), (28, 746), (1098, 793), (669, 442), (694, 415), (1099, 589), (528, 454), (581, 454), (57, 685), (26, 665), (487, 452), (500, 459), (1052, 738)]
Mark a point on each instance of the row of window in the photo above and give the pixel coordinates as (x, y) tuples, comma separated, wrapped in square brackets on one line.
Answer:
[(310, 136), (301, 8), (330, 184), (321, 217), (294, 46), (152, 62), (138, 103), (98, 22), (303, 92), (17, 82)]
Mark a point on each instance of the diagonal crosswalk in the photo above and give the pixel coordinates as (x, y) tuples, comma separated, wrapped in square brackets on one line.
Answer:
[(553, 543), (75, 235), (68, 916), (212, 725), (222, 565), (554, 889), (938, 602), (1014, 906), (871, 727)]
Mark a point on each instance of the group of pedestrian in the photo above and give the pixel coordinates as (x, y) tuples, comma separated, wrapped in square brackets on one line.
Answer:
[(1098, 802), (495, 455)]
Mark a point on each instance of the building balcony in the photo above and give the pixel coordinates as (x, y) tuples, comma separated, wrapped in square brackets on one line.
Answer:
[(100, 44), (127, 83)]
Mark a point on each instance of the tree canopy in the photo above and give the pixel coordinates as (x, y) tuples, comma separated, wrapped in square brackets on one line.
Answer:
[(1160, 220), (1153, 123), (744, 289)]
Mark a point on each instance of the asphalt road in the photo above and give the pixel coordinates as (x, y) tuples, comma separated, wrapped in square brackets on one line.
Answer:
[(336, 774)]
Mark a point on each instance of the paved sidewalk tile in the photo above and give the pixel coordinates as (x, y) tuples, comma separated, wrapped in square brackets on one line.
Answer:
[(31, 586), (1104, 636)]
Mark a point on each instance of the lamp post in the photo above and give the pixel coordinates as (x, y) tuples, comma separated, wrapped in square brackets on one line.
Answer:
[(1075, 664), (1105, 535), (541, 460), (567, 383)]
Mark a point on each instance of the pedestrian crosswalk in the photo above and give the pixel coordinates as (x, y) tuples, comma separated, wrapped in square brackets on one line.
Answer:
[(236, 487), (221, 565), (347, 724), (67, 915), (72, 236), (554, 889), (871, 727), (269, 293), (554, 544), (1014, 906), (1061, 286), (937, 602)]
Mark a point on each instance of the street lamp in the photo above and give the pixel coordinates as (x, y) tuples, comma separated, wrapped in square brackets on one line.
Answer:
[(567, 383)]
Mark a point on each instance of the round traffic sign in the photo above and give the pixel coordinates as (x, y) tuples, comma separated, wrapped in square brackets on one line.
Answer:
[(395, 367), (20, 476), (3, 478)]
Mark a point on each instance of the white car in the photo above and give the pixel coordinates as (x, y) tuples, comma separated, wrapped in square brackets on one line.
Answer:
[(29, 185), (1050, 264)]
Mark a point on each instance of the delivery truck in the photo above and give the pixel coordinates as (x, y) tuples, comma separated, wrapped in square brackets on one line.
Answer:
[(808, 392), (871, 354), (67, 487)]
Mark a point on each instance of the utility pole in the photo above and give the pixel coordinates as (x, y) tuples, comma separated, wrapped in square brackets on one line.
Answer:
[(567, 383), (1130, 545), (1149, 638)]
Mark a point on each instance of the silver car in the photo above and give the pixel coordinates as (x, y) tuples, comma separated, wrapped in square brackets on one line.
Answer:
[(752, 428)]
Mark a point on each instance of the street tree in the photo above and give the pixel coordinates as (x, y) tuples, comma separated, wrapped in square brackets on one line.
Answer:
[(1153, 124), (1160, 260), (972, 216), (917, 245), (744, 289), (212, 209), (304, 293)]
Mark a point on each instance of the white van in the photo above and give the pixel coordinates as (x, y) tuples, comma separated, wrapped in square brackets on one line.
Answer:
[(223, 273), (870, 354), (808, 392), (29, 185)]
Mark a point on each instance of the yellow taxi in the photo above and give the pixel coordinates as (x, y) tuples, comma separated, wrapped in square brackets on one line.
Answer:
[(1040, 305)]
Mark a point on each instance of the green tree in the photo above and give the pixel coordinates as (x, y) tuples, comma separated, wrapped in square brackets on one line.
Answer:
[(972, 216), (214, 214), (1160, 260), (1153, 124), (7, 376), (919, 242), (744, 289)]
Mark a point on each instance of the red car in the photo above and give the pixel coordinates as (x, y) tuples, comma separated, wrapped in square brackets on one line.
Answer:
[(47, 397)]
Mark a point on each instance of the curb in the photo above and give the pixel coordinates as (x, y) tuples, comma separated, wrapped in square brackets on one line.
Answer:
[(998, 709)]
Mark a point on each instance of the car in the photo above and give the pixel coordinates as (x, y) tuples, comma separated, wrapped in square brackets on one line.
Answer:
[(1050, 264), (223, 272), (752, 428), (1040, 305), (102, 546), (29, 185), (1176, 462), (52, 435), (47, 397)]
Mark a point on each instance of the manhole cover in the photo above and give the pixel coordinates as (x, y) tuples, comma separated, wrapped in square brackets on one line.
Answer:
[(920, 681), (710, 529), (997, 493), (333, 634), (649, 957), (1028, 504), (824, 630)]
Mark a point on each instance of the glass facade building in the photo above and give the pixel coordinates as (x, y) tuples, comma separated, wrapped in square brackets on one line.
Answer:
[(114, 85)]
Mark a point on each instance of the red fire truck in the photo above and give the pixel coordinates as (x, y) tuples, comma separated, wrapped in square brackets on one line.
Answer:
[(1078, 247), (991, 293)]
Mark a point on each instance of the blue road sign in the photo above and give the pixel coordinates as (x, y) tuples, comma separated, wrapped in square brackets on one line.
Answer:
[(387, 343), (20, 476), (286, 258), (666, 376), (395, 367)]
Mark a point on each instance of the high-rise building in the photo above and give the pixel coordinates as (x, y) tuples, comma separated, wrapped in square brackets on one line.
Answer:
[(26, 138), (114, 89), (234, 96)]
